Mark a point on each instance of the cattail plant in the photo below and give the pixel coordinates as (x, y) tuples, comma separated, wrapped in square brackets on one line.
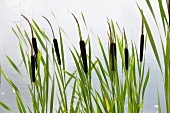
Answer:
[(54, 42), (33, 46), (142, 43), (82, 47), (32, 59), (126, 54), (112, 50), (34, 42)]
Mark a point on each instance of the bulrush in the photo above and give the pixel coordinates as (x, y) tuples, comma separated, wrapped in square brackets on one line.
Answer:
[(33, 46), (32, 60), (34, 42), (82, 48), (142, 43), (126, 53), (112, 50), (55, 43)]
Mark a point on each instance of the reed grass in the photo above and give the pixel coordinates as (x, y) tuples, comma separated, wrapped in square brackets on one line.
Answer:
[(164, 46), (54, 84)]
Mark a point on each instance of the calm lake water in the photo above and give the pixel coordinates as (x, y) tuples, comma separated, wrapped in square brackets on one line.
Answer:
[(96, 13)]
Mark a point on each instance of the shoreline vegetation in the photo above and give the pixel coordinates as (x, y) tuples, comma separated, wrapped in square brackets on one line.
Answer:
[(50, 83)]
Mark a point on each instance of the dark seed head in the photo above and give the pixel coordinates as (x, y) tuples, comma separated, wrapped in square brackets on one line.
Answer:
[(112, 59), (114, 46), (33, 68), (141, 47), (57, 51), (126, 58), (83, 55), (34, 43), (142, 43)]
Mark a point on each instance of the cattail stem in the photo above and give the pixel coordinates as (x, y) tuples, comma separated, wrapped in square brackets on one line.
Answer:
[(33, 68), (29, 25), (126, 58), (78, 26), (83, 54), (50, 26), (54, 42), (29, 43)]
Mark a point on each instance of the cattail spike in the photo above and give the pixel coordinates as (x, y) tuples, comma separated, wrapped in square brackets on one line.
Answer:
[(114, 47), (126, 58), (83, 54), (33, 68), (57, 50), (54, 42), (34, 42), (141, 47), (142, 43), (112, 67)]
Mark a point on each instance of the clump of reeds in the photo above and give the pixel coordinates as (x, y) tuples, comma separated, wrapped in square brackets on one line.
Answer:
[(126, 54), (55, 43), (142, 43), (34, 48), (82, 47), (112, 50)]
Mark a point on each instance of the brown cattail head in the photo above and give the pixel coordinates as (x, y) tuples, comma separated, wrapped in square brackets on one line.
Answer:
[(141, 47), (83, 55), (57, 50), (82, 47), (34, 43), (114, 47), (33, 68), (112, 52), (112, 59), (126, 57), (126, 52), (142, 43), (54, 42)]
